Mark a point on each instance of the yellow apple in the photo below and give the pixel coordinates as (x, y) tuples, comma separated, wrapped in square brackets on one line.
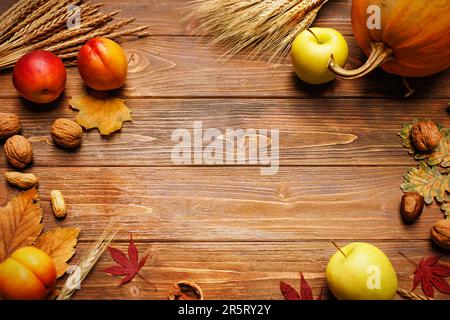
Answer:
[(364, 273), (311, 51)]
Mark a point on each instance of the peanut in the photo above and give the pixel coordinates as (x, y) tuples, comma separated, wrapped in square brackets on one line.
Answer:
[(21, 180), (58, 204)]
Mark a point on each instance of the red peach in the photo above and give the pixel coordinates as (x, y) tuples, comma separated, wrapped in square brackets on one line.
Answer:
[(102, 64), (39, 76)]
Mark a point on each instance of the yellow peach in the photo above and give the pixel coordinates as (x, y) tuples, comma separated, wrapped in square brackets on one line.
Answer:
[(29, 274), (102, 64)]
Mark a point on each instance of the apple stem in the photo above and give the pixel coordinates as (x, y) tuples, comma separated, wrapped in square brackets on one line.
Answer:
[(337, 247), (314, 35), (404, 256), (380, 54)]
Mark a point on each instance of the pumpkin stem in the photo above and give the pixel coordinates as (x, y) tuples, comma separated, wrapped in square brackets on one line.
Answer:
[(379, 55)]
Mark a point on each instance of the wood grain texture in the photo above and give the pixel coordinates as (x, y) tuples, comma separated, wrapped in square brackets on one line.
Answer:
[(237, 270), (166, 17), (312, 131), (235, 204), (164, 66), (229, 229)]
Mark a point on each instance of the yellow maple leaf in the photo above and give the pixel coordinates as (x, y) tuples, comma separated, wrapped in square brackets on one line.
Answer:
[(100, 110), (59, 244), (20, 223)]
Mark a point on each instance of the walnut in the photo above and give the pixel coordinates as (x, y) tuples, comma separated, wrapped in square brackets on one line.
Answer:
[(185, 290), (440, 233), (9, 125), (66, 133), (425, 135), (411, 206), (18, 151)]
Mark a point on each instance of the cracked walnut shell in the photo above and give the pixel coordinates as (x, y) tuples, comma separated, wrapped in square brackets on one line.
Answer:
[(185, 290), (9, 125), (425, 135), (440, 233), (18, 151), (66, 133)]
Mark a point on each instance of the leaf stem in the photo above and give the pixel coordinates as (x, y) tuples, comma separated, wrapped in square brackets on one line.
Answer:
[(143, 278), (404, 256), (337, 247)]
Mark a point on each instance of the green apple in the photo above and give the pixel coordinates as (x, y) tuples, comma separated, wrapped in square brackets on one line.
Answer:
[(364, 273), (311, 51)]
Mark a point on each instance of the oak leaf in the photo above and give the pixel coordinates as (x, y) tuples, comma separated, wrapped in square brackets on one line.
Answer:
[(428, 182), (446, 208), (100, 110), (20, 223), (59, 244), (441, 155)]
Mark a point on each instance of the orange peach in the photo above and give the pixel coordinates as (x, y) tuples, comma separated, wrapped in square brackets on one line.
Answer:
[(29, 274), (39, 76), (102, 64)]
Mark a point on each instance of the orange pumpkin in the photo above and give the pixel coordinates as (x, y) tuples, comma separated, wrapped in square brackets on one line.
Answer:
[(413, 41)]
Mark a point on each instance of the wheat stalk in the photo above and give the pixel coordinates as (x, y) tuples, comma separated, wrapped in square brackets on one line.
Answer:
[(258, 27), (16, 14), (41, 24), (87, 262), (411, 295), (52, 21)]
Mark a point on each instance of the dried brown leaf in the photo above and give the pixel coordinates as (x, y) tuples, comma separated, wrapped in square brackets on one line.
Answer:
[(428, 182), (20, 223), (100, 110), (59, 244)]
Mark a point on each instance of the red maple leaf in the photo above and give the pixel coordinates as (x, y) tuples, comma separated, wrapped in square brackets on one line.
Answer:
[(129, 266), (289, 293), (430, 274)]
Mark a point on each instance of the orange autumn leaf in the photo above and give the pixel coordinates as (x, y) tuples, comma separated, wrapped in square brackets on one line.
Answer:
[(100, 110), (3, 194), (20, 223), (59, 244)]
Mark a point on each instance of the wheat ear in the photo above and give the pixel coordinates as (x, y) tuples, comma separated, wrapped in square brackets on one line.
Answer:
[(412, 295), (256, 27), (87, 262)]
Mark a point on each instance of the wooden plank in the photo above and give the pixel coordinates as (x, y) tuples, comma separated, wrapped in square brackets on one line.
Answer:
[(312, 132), (234, 232), (189, 67), (235, 204), (166, 17), (237, 270)]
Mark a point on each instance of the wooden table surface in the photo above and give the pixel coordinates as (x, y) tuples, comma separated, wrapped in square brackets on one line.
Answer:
[(227, 228)]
